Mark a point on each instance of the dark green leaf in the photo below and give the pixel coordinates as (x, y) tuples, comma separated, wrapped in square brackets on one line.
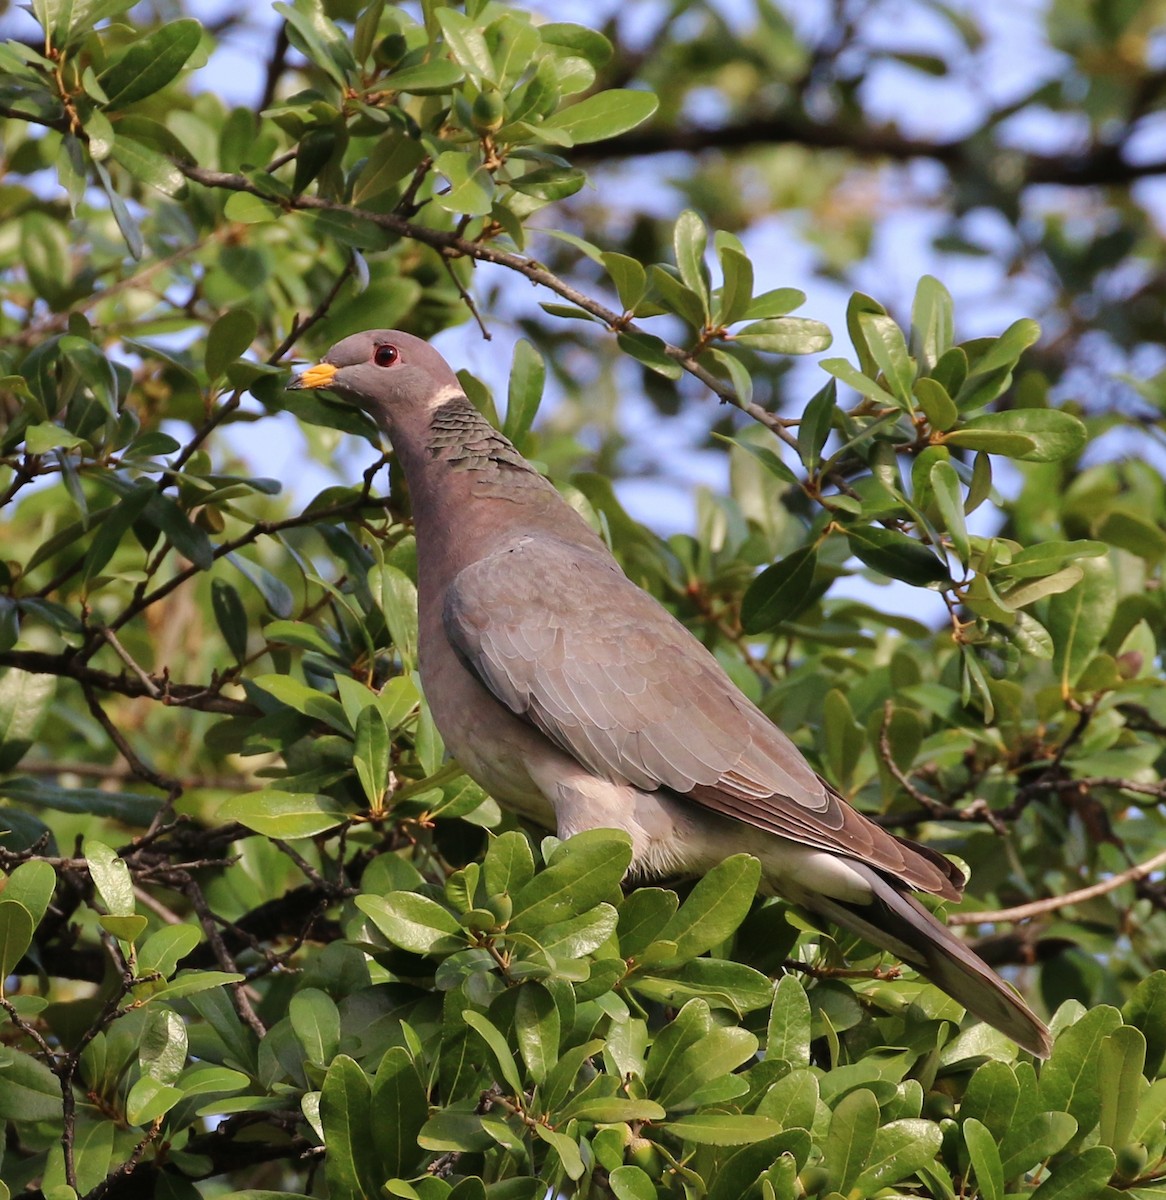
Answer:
[(815, 425), (1146, 1010), (897, 556), (231, 617), (715, 907), (150, 63), (780, 592)]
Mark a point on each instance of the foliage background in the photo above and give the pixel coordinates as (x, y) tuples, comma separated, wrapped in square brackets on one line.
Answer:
[(254, 935)]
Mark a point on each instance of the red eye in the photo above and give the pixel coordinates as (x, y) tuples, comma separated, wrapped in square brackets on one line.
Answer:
[(385, 356)]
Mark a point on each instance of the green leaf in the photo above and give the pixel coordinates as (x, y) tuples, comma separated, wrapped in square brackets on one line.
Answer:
[(897, 556), (112, 530), (1029, 434), (29, 1091), (775, 303), (230, 616), (16, 930), (578, 936), (793, 1100), (465, 42), (629, 277), (737, 287), (788, 1032), (311, 31), (900, 1149), (985, 1158), (714, 1129), (549, 183), (853, 1127), (689, 240), (412, 921), (1079, 618), (642, 916), (1084, 1177), (1070, 1081), (276, 594), (865, 386), (249, 209), (315, 1019), (451, 1130), (25, 699), (228, 338), (150, 63), (1146, 1010), (32, 884), (566, 1148), (649, 350), (586, 869), (945, 485), (396, 596), (786, 335), (289, 815), (577, 39), (426, 79), (393, 158), (932, 323), (723, 984), (675, 297), (508, 864), (147, 165), (537, 1030), (604, 115), (303, 699), (815, 426), (127, 928), (397, 1113), (128, 807), (631, 1183), (691, 1053), (1120, 1064), (471, 186), (111, 877), (1045, 558), (149, 1099), (715, 907), (528, 375), (163, 949), (938, 407), (888, 348), (780, 592), (766, 457), (345, 1100), (1133, 532), (491, 1035), (372, 754)]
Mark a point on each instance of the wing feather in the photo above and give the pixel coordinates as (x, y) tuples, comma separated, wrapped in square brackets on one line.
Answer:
[(565, 640)]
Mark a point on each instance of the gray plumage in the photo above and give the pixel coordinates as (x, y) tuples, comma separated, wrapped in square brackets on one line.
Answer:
[(577, 700)]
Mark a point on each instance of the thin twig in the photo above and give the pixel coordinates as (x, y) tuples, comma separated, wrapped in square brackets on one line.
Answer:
[(1036, 908)]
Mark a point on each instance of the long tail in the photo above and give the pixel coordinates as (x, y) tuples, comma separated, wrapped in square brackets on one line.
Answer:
[(897, 921)]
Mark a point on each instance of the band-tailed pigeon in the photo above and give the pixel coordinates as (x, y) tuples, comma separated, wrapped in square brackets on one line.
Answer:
[(577, 700)]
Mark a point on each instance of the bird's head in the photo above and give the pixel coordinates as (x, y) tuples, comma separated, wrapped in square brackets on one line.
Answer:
[(391, 375)]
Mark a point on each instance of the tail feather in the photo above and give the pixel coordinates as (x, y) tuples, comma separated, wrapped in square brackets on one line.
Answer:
[(896, 921)]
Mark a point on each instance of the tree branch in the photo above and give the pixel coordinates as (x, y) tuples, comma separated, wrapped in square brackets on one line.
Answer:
[(453, 245), (1036, 908)]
